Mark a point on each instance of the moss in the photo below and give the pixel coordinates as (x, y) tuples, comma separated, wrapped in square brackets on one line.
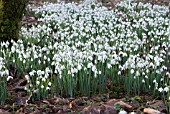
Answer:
[(10, 20), (1, 12)]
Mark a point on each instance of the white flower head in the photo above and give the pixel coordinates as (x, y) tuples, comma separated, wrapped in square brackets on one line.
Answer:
[(43, 79), (119, 73), (49, 83), (37, 82), (166, 89), (47, 88), (109, 66), (9, 77), (132, 71), (154, 81), (143, 81), (160, 89), (27, 77), (42, 86)]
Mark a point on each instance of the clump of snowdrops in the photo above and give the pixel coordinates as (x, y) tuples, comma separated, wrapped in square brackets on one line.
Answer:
[(4, 72), (77, 48)]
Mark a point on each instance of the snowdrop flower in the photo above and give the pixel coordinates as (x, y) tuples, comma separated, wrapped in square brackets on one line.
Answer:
[(39, 61), (154, 81), (89, 65), (37, 82), (109, 66), (160, 89), (166, 89), (146, 77), (168, 74), (47, 88), (137, 73), (143, 81), (74, 70), (31, 73), (69, 72), (12, 49), (42, 86), (25, 88), (119, 73), (27, 77), (149, 86), (79, 67), (132, 71), (60, 76), (147, 71), (100, 72), (24, 61), (9, 77), (49, 83), (31, 85), (6, 72), (39, 72), (43, 79), (94, 68), (134, 77)]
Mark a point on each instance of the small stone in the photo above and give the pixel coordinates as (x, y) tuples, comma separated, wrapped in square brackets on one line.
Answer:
[(151, 111), (132, 112), (122, 112), (125, 105)]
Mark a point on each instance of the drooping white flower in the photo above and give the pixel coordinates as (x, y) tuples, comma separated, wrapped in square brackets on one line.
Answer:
[(47, 88), (37, 82), (43, 79), (166, 89), (137, 73), (9, 77), (49, 83), (143, 81), (109, 66), (132, 71), (27, 78), (160, 89), (42, 86)]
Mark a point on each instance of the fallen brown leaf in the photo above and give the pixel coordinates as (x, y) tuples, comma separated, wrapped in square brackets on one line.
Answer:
[(160, 105), (72, 104), (58, 100), (111, 102)]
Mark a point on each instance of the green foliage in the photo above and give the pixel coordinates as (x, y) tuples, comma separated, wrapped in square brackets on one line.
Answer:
[(3, 92), (117, 106)]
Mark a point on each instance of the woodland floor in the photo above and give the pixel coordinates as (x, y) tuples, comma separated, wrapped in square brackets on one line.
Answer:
[(110, 103)]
